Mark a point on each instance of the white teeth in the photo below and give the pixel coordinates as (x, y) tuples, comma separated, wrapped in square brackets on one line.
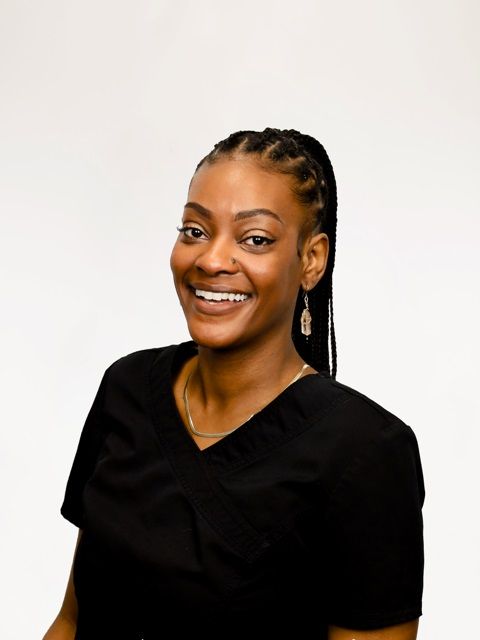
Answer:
[(218, 296)]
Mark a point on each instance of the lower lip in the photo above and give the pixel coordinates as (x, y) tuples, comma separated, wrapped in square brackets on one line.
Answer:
[(217, 308)]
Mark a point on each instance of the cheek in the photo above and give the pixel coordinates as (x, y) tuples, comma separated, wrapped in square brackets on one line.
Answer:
[(177, 260), (279, 275)]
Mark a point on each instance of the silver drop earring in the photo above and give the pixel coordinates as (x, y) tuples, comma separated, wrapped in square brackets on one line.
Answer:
[(306, 318)]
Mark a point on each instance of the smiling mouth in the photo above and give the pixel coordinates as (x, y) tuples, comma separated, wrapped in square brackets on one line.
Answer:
[(216, 297)]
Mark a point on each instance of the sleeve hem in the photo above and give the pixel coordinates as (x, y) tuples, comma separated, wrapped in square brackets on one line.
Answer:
[(72, 517), (366, 621)]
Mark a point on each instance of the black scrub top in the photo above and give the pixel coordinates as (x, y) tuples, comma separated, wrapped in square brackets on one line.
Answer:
[(309, 514)]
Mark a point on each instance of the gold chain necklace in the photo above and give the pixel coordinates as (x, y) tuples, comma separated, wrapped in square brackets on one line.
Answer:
[(221, 434)]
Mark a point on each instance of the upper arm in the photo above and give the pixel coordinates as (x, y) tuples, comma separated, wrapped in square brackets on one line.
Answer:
[(405, 631)]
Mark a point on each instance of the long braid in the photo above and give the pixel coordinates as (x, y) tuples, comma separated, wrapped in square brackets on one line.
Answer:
[(333, 340), (290, 152)]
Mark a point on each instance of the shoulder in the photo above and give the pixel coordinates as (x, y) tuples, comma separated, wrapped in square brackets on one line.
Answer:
[(352, 411), (134, 367), (134, 359), (356, 428)]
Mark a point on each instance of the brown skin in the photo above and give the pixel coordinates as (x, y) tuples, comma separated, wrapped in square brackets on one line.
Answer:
[(246, 356), (405, 631), (65, 624)]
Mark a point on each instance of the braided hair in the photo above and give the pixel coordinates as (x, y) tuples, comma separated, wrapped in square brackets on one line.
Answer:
[(290, 152)]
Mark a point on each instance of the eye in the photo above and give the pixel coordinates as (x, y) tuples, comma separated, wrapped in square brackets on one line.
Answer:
[(195, 232), (258, 241)]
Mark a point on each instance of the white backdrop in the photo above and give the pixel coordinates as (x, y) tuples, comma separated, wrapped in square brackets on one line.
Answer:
[(106, 106)]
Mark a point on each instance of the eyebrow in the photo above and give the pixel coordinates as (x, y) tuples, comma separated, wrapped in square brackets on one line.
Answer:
[(240, 215)]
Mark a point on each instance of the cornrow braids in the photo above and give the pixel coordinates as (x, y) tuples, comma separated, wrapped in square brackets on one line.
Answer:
[(290, 152)]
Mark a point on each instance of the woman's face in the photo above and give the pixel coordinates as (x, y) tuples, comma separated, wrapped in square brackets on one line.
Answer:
[(237, 209)]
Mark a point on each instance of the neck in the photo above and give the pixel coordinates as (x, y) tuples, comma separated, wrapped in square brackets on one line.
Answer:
[(227, 375)]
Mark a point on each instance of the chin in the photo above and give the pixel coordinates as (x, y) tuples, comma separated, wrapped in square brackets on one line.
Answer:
[(214, 338)]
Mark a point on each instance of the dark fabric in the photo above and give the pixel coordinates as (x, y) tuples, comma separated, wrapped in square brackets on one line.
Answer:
[(309, 514)]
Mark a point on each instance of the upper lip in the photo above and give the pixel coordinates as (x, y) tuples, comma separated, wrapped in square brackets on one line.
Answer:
[(217, 288)]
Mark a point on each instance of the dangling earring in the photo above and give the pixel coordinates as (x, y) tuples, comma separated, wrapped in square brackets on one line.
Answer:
[(306, 318)]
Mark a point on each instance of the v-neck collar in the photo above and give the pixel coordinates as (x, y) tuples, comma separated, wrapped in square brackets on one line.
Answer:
[(198, 471), (291, 411)]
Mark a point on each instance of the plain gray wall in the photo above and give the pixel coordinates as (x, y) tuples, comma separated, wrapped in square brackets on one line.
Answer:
[(105, 109)]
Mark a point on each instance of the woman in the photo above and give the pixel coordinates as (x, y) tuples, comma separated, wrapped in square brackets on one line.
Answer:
[(231, 479)]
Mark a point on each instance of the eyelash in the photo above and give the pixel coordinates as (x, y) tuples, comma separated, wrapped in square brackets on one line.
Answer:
[(186, 228)]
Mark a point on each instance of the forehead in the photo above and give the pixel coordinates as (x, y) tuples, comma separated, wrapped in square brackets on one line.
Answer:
[(231, 185)]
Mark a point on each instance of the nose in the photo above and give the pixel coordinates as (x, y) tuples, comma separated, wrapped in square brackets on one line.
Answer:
[(216, 256)]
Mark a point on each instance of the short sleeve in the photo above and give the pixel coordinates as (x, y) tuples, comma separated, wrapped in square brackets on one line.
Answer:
[(374, 532), (89, 445)]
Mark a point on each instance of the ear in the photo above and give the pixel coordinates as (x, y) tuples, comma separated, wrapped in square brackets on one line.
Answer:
[(314, 258)]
